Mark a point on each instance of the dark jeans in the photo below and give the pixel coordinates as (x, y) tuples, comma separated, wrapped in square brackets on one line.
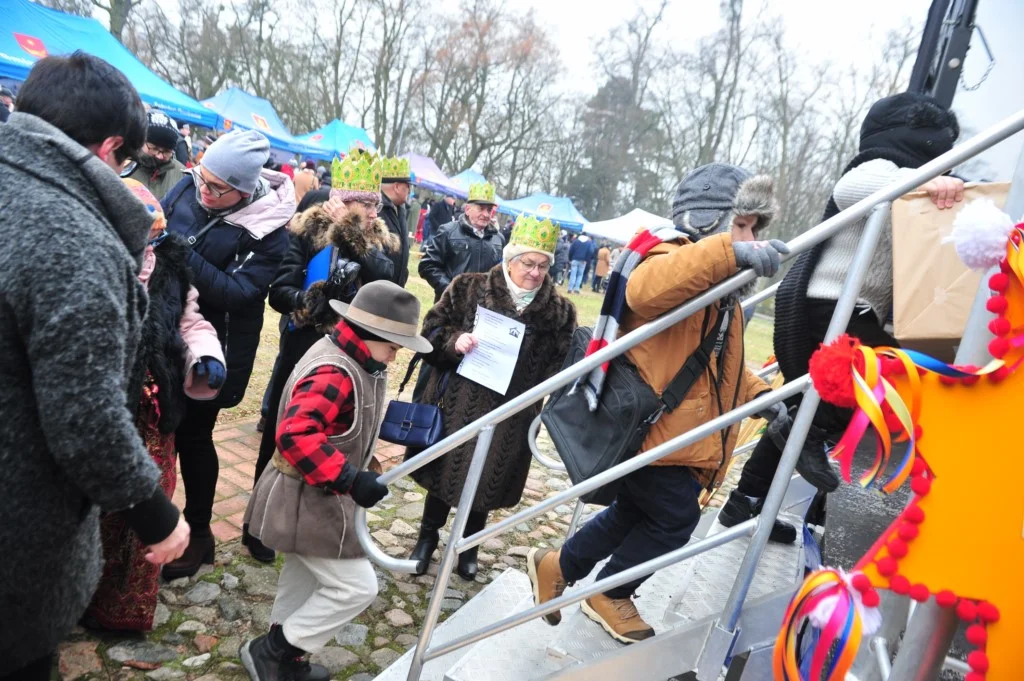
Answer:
[(759, 470), (435, 515), (199, 464), (37, 670), (596, 286), (655, 511)]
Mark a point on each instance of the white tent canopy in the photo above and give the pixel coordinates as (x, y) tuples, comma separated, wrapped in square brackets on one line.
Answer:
[(623, 228)]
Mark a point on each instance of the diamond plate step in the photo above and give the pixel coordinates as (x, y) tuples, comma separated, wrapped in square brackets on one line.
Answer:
[(498, 599)]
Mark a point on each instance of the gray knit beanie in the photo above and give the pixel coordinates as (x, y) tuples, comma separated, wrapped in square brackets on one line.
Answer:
[(709, 196), (237, 158)]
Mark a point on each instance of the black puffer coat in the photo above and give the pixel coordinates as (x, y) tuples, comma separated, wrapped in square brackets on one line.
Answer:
[(550, 321)]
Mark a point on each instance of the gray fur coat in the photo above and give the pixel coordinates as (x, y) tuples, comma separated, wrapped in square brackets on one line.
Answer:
[(71, 307)]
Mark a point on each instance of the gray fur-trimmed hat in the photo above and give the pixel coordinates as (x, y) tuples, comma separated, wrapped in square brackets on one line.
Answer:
[(709, 196)]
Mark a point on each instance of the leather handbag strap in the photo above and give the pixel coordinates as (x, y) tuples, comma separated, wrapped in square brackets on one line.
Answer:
[(695, 365)]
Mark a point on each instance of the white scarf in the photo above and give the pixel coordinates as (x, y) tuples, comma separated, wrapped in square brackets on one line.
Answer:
[(520, 296)]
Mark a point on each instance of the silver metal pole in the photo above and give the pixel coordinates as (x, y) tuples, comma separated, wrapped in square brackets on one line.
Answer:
[(542, 459), (692, 549), (881, 650), (768, 370), (577, 513), (444, 571), (760, 296), (801, 425), (923, 651), (639, 461)]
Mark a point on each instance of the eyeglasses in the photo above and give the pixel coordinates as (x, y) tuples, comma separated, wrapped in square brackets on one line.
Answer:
[(541, 267), (370, 205), (214, 191), (157, 152)]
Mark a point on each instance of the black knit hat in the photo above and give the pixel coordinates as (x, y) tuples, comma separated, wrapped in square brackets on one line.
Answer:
[(162, 131), (912, 123)]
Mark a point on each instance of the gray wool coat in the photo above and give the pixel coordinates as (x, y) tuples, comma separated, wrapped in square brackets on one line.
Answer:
[(71, 308)]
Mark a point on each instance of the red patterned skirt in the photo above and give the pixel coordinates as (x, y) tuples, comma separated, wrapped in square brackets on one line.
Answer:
[(127, 594)]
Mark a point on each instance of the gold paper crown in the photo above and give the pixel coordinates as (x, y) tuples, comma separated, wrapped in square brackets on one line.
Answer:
[(359, 172), (395, 168), (481, 192), (530, 232)]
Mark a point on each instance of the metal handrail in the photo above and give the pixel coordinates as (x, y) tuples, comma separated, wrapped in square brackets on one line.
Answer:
[(725, 629)]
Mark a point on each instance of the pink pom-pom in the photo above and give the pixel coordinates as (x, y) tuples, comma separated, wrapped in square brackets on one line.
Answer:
[(920, 593), (974, 676), (1000, 326), (976, 635), (997, 304), (897, 548), (967, 611), (886, 566), (978, 661), (988, 612), (999, 374), (870, 599), (914, 514), (860, 582), (899, 585), (998, 347), (945, 599), (908, 532), (921, 485), (999, 282)]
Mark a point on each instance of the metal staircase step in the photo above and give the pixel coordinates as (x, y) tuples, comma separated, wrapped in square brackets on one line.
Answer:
[(501, 597)]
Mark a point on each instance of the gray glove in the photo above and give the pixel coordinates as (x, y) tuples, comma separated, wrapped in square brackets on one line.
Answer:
[(779, 424), (764, 257)]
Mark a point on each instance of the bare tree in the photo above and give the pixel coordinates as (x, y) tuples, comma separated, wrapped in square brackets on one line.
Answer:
[(80, 8)]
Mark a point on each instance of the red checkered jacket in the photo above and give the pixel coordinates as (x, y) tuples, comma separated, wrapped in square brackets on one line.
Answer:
[(320, 406)]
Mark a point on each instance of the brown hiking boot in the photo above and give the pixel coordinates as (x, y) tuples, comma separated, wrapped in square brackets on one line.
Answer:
[(546, 577), (619, 618)]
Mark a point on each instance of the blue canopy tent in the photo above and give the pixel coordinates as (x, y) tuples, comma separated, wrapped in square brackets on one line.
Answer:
[(468, 177), (236, 108), (426, 174), (559, 209), (338, 137), (31, 32)]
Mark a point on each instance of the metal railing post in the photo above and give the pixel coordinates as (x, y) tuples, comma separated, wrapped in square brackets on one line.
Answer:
[(444, 571), (719, 643), (577, 513)]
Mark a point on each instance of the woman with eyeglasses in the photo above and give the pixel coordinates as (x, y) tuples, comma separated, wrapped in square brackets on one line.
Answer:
[(337, 244), (518, 288)]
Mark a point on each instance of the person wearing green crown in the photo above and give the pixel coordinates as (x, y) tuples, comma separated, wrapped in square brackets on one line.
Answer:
[(519, 288), (395, 188), (470, 243)]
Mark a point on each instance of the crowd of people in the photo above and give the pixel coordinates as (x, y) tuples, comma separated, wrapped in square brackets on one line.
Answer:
[(134, 288)]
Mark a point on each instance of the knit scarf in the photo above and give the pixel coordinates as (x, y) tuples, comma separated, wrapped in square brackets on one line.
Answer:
[(521, 297), (606, 330)]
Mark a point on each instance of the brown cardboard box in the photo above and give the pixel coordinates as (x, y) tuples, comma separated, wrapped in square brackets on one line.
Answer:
[(932, 289)]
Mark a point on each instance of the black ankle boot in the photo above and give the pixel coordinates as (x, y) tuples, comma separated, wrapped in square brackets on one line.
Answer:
[(256, 548), (813, 465), (467, 567), (200, 550), (271, 658), (424, 549), (740, 508)]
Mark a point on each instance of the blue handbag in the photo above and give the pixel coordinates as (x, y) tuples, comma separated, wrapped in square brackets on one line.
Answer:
[(411, 424)]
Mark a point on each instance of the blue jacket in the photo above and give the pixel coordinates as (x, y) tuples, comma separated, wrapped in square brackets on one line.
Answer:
[(233, 264), (584, 251)]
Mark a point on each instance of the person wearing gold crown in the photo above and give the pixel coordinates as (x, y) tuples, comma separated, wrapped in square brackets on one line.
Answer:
[(335, 248), (395, 188), (519, 288), (470, 243)]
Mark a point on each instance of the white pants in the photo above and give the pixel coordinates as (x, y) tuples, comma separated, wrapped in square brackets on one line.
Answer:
[(316, 597)]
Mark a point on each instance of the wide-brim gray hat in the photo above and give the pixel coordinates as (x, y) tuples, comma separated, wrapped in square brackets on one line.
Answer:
[(387, 310)]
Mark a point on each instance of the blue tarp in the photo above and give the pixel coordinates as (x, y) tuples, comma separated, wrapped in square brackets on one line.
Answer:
[(29, 32), (338, 137), (429, 176), (468, 177), (559, 209), (236, 108)]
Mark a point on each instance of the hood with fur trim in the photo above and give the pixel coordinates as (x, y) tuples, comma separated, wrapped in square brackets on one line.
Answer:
[(756, 196), (346, 234)]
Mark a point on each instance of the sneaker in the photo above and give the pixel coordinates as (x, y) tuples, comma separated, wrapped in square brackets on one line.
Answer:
[(813, 465), (740, 508), (617, 616), (546, 577), (264, 663)]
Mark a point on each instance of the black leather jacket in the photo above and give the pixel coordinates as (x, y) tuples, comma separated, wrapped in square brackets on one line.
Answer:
[(457, 249)]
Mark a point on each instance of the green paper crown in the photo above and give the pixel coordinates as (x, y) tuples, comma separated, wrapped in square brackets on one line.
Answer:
[(532, 233), (482, 193), (359, 172), (392, 168)]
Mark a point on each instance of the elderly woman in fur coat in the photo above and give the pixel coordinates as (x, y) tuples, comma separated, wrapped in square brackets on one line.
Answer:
[(518, 288), (337, 244)]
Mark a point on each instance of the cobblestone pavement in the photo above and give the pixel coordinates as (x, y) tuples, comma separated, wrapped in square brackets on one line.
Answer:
[(202, 621)]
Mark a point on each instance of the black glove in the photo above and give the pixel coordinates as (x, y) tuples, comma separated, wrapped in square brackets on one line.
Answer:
[(365, 489), (779, 423), (342, 277)]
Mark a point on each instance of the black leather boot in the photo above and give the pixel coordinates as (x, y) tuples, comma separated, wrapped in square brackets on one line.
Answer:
[(740, 508), (200, 550), (256, 548), (813, 465), (467, 567), (424, 549), (271, 658)]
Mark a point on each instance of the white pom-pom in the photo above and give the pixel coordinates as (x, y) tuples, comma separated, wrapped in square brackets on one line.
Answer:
[(979, 234)]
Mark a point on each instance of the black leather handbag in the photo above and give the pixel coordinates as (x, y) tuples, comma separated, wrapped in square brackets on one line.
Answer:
[(591, 442)]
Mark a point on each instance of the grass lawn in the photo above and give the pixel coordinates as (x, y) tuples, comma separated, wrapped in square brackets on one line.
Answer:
[(588, 305)]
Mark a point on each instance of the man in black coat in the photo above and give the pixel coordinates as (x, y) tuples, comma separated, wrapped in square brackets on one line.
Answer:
[(441, 213), (396, 185), (71, 244), (469, 244), (232, 212)]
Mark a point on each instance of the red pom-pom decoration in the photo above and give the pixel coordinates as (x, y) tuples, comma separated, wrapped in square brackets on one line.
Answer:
[(967, 611), (999, 374), (908, 531), (945, 599), (1004, 266), (860, 582), (998, 347), (886, 566), (949, 380), (831, 369), (970, 380), (988, 612), (921, 485), (974, 676), (920, 593), (999, 282), (919, 467), (897, 548), (870, 599), (976, 635), (899, 585), (997, 304), (914, 514), (1000, 326), (978, 661)]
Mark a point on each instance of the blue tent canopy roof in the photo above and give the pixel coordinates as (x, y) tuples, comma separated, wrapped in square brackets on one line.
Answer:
[(237, 108), (338, 137), (30, 32), (429, 176), (559, 209)]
